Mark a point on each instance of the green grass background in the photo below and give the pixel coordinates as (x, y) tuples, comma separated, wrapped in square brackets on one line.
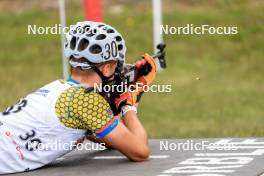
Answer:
[(227, 101)]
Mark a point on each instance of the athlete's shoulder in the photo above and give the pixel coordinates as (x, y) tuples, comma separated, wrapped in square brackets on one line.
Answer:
[(82, 108)]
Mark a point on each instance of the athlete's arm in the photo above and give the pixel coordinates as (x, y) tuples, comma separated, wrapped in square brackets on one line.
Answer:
[(92, 112), (129, 138)]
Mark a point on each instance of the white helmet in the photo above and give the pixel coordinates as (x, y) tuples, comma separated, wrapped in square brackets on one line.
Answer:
[(97, 42)]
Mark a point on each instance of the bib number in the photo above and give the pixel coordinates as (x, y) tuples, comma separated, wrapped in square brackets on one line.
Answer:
[(16, 108), (32, 143), (111, 50)]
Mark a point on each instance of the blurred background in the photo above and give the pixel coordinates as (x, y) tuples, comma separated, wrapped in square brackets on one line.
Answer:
[(227, 100)]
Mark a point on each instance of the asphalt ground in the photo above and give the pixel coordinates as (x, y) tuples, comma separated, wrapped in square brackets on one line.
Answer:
[(192, 157)]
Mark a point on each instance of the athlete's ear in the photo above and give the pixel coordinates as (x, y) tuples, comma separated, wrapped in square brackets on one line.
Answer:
[(106, 69)]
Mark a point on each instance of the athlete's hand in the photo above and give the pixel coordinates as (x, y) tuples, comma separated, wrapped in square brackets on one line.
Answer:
[(126, 98), (150, 77)]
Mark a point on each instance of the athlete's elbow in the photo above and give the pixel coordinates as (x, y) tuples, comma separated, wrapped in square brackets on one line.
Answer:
[(140, 155)]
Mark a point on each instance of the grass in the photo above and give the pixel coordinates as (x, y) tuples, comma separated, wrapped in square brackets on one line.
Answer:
[(227, 101)]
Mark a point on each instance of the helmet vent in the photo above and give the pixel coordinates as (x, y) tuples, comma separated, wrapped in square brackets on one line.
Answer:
[(95, 49), (118, 39), (120, 47), (121, 55), (73, 43), (109, 31), (90, 34), (83, 44), (86, 28), (100, 37)]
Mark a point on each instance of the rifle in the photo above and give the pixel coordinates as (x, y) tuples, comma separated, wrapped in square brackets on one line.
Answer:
[(132, 72)]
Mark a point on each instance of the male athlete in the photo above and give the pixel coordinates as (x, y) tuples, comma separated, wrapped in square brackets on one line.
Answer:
[(64, 111)]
